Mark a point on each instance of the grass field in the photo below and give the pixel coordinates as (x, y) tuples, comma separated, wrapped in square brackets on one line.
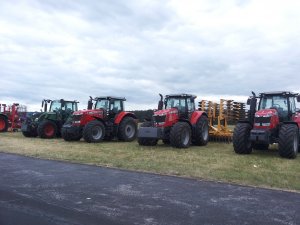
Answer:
[(216, 161)]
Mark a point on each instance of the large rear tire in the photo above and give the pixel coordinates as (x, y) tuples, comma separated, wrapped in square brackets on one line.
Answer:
[(94, 131), (180, 135), (47, 129), (200, 136), (127, 129), (241, 142), (147, 141), (3, 123), (288, 143)]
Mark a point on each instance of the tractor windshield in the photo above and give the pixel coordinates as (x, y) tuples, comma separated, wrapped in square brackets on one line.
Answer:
[(55, 105), (273, 101), (102, 103), (175, 102)]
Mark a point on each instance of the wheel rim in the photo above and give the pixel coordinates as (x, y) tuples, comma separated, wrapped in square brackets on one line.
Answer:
[(2, 124), (186, 137), (204, 132), (49, 130), (97, 132), (129, 131)]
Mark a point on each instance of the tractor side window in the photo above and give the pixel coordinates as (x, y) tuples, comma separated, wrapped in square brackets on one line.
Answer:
[(191, 105), (292, 105), (116, 106)]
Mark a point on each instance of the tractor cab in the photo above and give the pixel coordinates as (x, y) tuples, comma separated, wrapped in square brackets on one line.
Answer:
[(110, 105), (282, 102), (181, 104)]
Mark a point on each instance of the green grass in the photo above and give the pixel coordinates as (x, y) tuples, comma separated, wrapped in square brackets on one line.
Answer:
[(216, 161)]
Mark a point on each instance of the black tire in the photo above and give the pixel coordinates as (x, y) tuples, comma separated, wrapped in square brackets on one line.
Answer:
[(180, 135), (47, 129), (3, 123), (29, 133), (241, 142), (69, 136), (288, 143), (127, 129), (147, 141), (166, 141), (261, 146), (94, 131), (201, 134)]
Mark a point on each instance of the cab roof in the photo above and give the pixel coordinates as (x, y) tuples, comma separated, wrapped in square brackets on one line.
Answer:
[(109, 98), (287, 93), (181, 96)]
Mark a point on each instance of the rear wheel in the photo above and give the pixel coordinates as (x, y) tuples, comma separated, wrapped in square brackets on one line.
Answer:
[(47, 129), (94, 131), (288, 143), (180, 135), (200, 136), (147, 141), (3, 123), (127, 129), (241, 141)]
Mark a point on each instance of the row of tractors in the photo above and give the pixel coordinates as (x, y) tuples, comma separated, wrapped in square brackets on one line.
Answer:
[(272, 118)]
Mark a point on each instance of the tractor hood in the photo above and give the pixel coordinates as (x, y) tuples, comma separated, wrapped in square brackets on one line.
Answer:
[(266, 118), (165, 112), (89, 112), (266, 113), (165, 117)]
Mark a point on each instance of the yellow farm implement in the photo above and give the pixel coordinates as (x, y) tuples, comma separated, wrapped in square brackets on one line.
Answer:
[(219, 114)]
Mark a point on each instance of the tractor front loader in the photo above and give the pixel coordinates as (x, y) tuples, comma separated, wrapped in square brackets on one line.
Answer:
[(176, 122), (105, 119), (274, 120), (47, 124)]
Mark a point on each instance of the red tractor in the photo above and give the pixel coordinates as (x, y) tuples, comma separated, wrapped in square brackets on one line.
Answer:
[(274, 120), (11, 116), (176, 122), (107, 120)]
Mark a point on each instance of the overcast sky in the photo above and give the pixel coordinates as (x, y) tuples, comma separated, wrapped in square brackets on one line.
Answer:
[(215, 49)]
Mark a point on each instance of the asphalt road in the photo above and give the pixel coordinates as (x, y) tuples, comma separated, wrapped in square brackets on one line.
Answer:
[(37, 192)]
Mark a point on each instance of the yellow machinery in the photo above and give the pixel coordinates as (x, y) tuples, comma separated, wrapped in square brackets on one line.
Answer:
[(219, 115)]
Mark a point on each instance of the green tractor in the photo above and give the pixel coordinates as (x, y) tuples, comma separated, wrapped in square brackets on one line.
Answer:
[(47, 124)]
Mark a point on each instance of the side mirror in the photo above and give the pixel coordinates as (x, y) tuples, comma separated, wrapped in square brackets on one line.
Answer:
[(248, 101), (298, 98)]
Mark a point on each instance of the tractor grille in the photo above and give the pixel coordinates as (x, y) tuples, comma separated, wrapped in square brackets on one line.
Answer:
[(76, 117), (262, 119), (159, 119)]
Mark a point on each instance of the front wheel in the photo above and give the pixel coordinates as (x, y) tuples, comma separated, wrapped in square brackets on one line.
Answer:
[(241, 138), (94, 131), (200, 136), (180, 135), (288, 143), (47, 129), (127, 129)]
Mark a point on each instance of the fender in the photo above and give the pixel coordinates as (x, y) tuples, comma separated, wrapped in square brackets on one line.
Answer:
[(121, 115), (196, 115)]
